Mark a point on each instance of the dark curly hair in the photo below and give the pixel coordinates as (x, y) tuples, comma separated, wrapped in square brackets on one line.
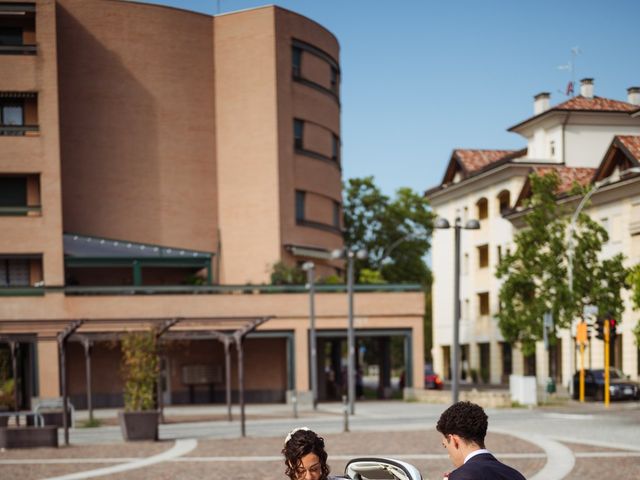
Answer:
[(301, 443), (465, 419)]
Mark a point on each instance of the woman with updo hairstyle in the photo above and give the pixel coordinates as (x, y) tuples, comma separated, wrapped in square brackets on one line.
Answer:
[(305, 456)]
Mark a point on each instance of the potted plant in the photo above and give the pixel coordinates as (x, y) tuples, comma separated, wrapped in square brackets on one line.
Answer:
[(139, 420)]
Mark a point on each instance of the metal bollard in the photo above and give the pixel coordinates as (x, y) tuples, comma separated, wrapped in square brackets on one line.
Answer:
[(345, 409), (294, 401)]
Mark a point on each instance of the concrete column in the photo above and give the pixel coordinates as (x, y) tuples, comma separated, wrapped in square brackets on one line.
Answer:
[(302, 359), (48, 369)]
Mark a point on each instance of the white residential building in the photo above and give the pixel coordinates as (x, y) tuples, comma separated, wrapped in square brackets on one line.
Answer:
[(586, 139)]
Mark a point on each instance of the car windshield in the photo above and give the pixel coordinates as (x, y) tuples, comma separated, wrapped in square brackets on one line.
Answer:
[(614, 373)]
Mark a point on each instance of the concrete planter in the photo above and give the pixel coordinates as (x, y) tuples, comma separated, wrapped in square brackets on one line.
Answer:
[(139, 425), (28, 437)]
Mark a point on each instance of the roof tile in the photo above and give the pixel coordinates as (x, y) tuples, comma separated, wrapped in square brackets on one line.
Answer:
[(568, 175), (631, 143), (596, 104), (474, 160)]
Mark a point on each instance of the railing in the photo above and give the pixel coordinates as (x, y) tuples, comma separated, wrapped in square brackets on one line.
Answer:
[(20, 211), (38, 420), (233, 289), (18, 49), (17, 130), (21, 291)]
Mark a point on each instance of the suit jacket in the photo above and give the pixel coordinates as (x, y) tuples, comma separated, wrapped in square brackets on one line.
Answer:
[(485, 467)]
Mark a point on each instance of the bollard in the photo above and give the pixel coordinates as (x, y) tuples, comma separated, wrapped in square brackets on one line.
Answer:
[(294, 401), (345, 409)]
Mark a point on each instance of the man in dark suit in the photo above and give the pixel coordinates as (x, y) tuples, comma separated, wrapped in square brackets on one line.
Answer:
[(463, 426)]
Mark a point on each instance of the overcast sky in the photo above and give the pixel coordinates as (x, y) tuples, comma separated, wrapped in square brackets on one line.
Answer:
[(422, 77)]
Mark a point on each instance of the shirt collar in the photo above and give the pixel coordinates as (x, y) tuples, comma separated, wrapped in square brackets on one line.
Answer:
[(480, 451)]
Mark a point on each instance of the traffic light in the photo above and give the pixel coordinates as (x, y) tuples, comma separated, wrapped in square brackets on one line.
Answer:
[(612, 329), (600, 328)]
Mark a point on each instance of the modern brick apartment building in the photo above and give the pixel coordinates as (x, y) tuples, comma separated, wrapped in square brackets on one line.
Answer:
[(149, 154)]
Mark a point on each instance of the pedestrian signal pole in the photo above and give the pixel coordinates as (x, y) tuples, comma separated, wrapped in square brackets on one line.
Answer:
[(581, 337), (607, 325)]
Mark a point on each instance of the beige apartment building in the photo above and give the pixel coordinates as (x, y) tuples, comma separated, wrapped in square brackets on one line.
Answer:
[(586, 139), (155, 164)]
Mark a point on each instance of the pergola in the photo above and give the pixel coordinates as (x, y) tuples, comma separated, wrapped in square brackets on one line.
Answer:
[(227, 330)]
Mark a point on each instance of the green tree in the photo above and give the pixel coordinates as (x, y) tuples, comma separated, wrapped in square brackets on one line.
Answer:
[(395, 232), (140, 370), (535, 274), (634, 281)]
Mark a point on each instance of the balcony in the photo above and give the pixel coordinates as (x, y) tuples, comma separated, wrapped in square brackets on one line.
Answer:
[(17, 29), (18, 114), (20, 195)]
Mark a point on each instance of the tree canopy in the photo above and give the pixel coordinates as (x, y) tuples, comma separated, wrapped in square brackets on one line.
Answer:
[(395, 231), (535, 274)]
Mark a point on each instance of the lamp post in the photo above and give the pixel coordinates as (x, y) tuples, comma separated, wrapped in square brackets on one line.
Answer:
[(572, 231), (350, 255), (309, 267), (455, 368)]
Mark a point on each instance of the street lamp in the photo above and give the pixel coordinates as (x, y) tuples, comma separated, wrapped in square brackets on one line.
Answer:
[(309, 267), (350, 254), (470, 225), (572, 231)]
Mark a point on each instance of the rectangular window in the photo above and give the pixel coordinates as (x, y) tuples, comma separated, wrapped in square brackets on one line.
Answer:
[(483, 208), (483, 256), (296, 61), (11, 36), (507, 362), (13, 191), (336, 214), (300, 199), (499, 253), (335, 148), (15, 272), (298, 133), (335, 79), (11, 116), (483, 303)]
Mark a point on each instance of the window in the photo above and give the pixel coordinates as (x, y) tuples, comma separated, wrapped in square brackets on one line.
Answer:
[(335, 79), (483, 303), (300, 198), (11, 116), (336, 214), (15, 272), (483, 256), (11, 36), (13, 192), (483, 208), (504, 200), (507, 361), (298, 132), (499, 253), (335, 148), (296, 61)]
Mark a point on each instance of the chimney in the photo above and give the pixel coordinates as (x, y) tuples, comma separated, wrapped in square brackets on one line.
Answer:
[(633, 95), (541, 103), (586, 87)]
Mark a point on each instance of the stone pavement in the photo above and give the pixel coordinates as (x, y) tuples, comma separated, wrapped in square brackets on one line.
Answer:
[(259, 454)]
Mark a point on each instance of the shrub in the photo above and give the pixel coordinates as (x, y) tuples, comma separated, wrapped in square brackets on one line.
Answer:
[(140, 370)]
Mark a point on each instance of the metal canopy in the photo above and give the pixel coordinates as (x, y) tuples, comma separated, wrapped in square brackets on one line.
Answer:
[(228, 330)]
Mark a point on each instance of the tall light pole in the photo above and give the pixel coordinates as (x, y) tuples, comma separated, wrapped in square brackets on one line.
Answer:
[(455, 363), (309, 267), (572, 232), (350, 255)]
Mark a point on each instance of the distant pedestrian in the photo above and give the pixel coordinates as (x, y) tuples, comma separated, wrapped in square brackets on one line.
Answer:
[(305, 456), (463, 426)]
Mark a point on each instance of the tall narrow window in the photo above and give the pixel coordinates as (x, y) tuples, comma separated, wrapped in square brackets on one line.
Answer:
[(504, 199), (296, 61), (335, 148), (335, 80), (14, 272), (298, 133), (336, 214), (483, 208), (483, 256), (300, 198), (483, 303)]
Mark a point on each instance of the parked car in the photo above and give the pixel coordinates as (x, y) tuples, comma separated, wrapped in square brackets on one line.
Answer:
[(432, 380), (620, 387), (380, 468)]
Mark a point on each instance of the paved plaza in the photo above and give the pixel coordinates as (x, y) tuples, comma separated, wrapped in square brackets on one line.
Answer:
[(571, 441)]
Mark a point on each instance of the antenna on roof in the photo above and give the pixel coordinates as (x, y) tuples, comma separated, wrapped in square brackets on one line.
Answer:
[(571, 66)]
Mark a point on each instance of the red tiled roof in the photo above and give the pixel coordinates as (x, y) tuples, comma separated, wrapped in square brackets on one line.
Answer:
[(631, 143), (568, 176), (596, 104), (474, 160)]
